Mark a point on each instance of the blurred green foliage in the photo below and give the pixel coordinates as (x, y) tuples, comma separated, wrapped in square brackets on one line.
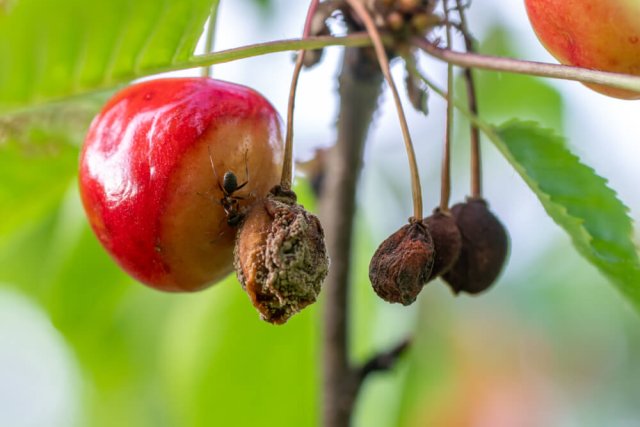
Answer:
[(502, 96), (153, 359), (51, 50)]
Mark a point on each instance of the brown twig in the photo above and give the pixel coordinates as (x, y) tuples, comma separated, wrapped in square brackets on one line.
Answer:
[(476, 159), (359, 89), (287, 163), (445, 189), (383, 361)]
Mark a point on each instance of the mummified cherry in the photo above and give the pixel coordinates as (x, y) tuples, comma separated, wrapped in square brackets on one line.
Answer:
[(280, 256), (484, 248), (155, 176), (447, 241), (402, 264)]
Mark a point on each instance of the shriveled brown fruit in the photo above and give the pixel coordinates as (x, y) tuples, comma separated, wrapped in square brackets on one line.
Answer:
[(447, 241), (485, 245), (403, 18), (402, 264), (280, 256)]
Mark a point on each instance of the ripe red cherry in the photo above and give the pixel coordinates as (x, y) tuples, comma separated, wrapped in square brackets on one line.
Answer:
[(603, 35), (147, 183)]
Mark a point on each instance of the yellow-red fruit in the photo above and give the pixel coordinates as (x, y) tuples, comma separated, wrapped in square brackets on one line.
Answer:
[(280, 256), (596, 34), (402, 264)]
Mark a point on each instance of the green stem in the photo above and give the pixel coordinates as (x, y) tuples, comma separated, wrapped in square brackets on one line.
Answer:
[(621, 81), (210, 37), (353, 40), (541, 69)]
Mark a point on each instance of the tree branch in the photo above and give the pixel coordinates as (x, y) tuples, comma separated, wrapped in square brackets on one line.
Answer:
[(359, 88), (383, 361)]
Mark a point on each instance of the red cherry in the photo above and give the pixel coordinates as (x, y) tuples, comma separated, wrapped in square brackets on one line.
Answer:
[(603, 35), (147, 183)]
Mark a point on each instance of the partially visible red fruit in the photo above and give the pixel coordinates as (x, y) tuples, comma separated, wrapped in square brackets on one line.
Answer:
[(602, 35), (147, 183)]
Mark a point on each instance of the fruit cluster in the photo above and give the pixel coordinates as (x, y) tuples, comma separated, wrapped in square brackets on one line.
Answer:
[(467, 247)]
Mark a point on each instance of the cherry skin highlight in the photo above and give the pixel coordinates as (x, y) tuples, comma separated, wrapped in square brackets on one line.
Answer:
[(596, 34), (148, 186)]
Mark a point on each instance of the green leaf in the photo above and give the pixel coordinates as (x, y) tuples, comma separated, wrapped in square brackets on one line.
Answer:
[(577, 199), (54, 49)]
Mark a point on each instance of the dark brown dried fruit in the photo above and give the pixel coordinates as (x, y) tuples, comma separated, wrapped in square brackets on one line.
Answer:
[(404, 18), (447, 241), (402, 264), (280, 256), (484, 248)]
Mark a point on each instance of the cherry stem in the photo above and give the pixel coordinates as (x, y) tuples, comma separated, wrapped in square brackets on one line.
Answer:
[(381, 54), (287, 164), (445, 180), (476, 159), (532, 68), (618, 80), (207, 71)]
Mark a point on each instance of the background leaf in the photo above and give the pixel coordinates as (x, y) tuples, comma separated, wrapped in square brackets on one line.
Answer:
[(38, 159), (28, 189), (577, 199), (51, 50), (224, 366)]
